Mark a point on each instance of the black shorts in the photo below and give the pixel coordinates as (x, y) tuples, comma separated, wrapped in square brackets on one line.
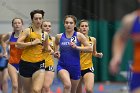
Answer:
[(83, 72), (50, 68), (27, 69)]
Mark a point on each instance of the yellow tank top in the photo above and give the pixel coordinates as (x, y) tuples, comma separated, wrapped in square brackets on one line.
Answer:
[(49, 61), (33, 53), (86, 58)]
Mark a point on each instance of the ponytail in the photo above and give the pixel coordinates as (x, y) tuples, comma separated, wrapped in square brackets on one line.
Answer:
[(76, 29)]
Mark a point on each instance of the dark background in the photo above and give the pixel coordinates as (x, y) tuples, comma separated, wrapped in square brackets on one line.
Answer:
[(105, 18)]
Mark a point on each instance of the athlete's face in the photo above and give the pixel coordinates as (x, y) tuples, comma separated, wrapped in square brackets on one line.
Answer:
[(69, 24), (37, 20), (46, 26), (84, 27), (17, 25)]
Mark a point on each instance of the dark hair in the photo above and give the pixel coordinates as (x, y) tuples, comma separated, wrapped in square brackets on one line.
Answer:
[(15, 19), (76, 29), (71, 16), (74, 19), (83, 20), (32, 13)]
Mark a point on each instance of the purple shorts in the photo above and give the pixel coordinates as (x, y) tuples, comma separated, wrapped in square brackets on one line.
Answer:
[(135, 81)]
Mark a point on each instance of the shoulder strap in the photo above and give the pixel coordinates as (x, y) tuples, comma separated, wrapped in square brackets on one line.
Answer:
[(31, 28), (50, 38), (90, 38)]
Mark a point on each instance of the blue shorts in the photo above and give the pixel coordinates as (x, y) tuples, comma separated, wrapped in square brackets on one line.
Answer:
[(135, 81), (74, 71), (16, 66), (27, 69)]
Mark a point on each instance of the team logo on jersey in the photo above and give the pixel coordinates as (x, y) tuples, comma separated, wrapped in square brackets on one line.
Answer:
[(65, 43), (74, 39), (51, 43), (32, 39), (91, 44)]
